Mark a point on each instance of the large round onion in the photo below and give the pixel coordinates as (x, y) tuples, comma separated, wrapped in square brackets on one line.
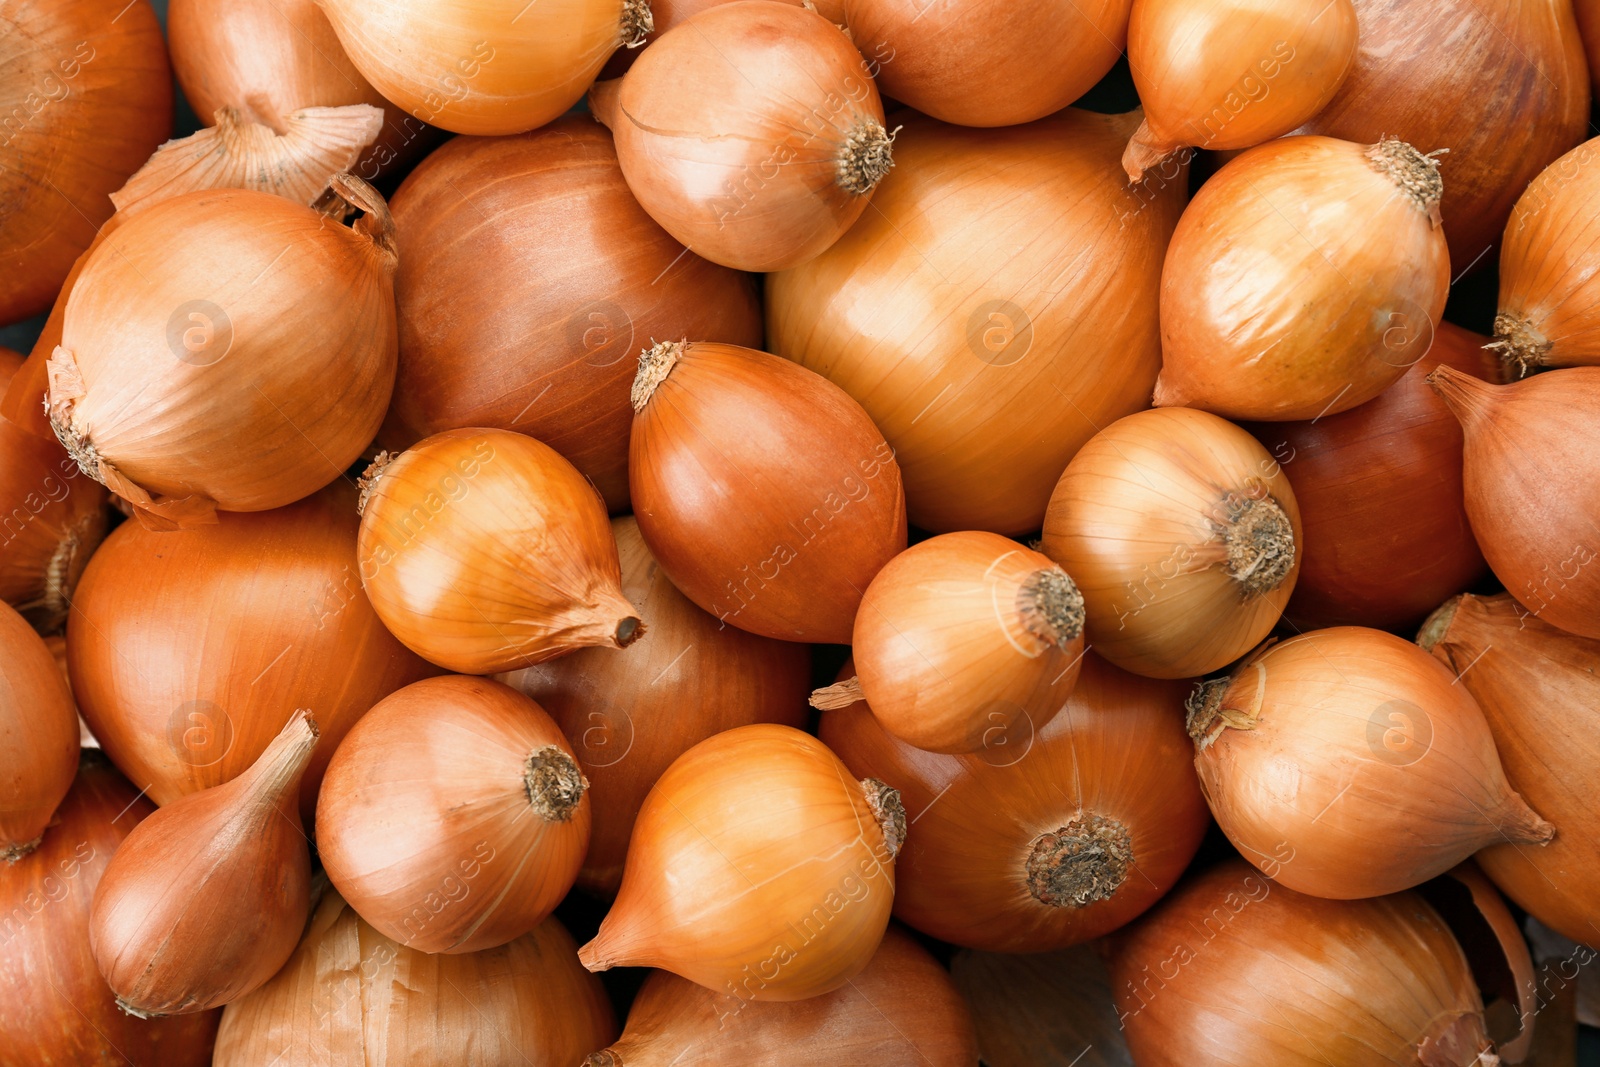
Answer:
[(964, 314)]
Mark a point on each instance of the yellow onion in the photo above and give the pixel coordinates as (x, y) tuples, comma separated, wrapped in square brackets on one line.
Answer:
[(1183, 535), (484, 551), (752, 133), (994, 309), (665, 14), (228, 350), (1347, 763), (1042, 1007), (759, 868), (1305, 278), (38, 736), (959, 637), (489, 66)]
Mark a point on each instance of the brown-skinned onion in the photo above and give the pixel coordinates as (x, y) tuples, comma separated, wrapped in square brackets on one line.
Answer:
[(38, 736)]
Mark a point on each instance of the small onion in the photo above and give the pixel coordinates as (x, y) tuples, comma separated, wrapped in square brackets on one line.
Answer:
[(1042, 1008), (752, 133), (1347, 763), (628, 717), (484, 551), (1184, 537), (38, 736)]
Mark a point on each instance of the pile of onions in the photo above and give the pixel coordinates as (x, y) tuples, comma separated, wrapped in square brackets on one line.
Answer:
[(453, 817), (960, 637), (765, 492), (766, 153), (758, 868), (964, 315), (489, 67), (1533, 486), (190, 650), (1386, 537), (984, 64), (87, 96), (251, 397), (349, 994), (901, 1009), (530, 279), (1470, 76), (38, 736), (628, 717), (207, 897), (1392, 774), (1538, 689), (1054, 834), (1305, 278), (484, 551), (1183, 536), (1042, 1007), (58, 1008), (1231, 73)]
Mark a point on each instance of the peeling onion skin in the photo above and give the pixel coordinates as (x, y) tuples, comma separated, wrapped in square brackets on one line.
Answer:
[(38, 737)]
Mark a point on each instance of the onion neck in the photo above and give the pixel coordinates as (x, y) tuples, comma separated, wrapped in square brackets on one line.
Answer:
[(655, 365), (1259, 540), (1522, 349), (13, 853), (889, 811), (838, 695), (1051, 607), (1207, 713), (1417, 175), (62, 570), (637, 22), (554, 783), (376, 223), (274, 778), (1144, 151), (1083, 862), (1437, 626), (368, 482), (866, 156), (604, 1058)]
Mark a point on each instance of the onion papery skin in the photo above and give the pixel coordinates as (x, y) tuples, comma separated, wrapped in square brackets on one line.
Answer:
[(1184, 537), (1381, 501), (821, 507), (1043, 1007), (628, 717), (1107, 774), (1498, 63), (1346, 763), (59, 1010), (270, 58), (89, 82), (988, 62), (484, 551), (901, 1009), (1302, 281), (1538, 690), (1235, 968), (489, 67), (530, 279), (190, 649), (962, 314), (38, 736), (665, 14), (349, 994), (453, 817), (759, 868), (51, 519), (1232, 73), (1533, 487), (198, 374)]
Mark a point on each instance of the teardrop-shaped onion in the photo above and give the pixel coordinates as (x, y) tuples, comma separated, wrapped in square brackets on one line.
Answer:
[(994, 309), (1347, 763), (38, 736)]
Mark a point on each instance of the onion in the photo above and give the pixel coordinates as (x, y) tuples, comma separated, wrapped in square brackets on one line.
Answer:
[(207, 897), (1056, 833), (457, 800), (38, 736), (1305, 278), (1532, 486), (766, 494), (58, 1008), (351, 995), (960, 637), (1470, 76), (1386, 536), (142, 391), (979, 63), (1232, 73), (87, 97), (901, 1009), (963, 314), (487, 67), (484, 551), (665, 14), (1346, 763), (190, 650), (628, 717), (752, 133), (1234, 968), (1046, 1007), (1183, 536), (758, 868), (530, 278)]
